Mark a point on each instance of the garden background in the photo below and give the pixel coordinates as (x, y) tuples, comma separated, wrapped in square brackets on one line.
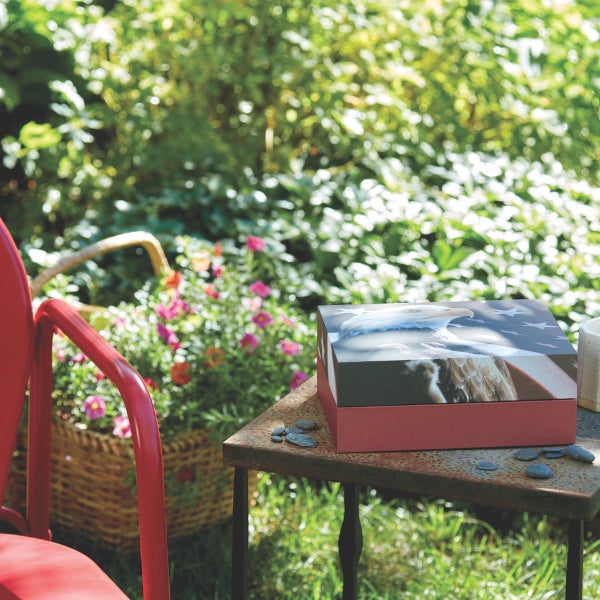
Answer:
[(388, 151)]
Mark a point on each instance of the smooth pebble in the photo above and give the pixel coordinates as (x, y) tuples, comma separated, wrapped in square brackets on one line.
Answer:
[(289, 430), (276, 438), (578, 453), (484, 465), (555, 454), (539, 471), (278, 431), (526, 454), (306, 424), (301, 439)]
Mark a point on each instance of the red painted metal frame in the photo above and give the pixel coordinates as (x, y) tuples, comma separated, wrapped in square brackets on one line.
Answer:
[(30, 351)]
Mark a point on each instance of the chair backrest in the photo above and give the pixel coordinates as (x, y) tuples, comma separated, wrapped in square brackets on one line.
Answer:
[(16, 347), (26, 355)]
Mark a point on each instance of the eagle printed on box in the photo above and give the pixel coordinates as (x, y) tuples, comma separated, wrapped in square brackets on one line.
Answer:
[(444, 353)]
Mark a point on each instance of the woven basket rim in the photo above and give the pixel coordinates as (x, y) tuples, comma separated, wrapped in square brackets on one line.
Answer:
[(91, 437)]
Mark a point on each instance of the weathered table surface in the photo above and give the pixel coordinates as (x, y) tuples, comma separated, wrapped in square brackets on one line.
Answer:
[(573, 492)]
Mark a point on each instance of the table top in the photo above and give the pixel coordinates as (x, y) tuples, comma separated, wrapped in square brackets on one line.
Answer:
[(573, 492)]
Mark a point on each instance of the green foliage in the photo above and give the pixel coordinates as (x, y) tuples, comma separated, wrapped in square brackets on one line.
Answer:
[(43, 114), (186, 100)]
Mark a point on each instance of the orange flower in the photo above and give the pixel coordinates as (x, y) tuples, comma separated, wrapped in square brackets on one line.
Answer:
[(201, 262), (218, 249), (180, 373), (214, 357), (173, 280)]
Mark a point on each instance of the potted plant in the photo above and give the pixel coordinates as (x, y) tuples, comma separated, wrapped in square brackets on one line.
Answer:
[(216, 345)]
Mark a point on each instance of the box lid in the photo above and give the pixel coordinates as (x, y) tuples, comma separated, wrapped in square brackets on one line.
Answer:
[(444, 352)]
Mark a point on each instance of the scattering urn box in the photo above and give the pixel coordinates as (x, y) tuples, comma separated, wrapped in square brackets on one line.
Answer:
[(444, 375)]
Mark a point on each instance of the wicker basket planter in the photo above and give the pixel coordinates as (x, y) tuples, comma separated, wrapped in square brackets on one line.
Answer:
[(92, 485)]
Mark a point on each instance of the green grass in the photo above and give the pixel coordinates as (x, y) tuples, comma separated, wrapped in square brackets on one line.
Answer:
[(413, 549)]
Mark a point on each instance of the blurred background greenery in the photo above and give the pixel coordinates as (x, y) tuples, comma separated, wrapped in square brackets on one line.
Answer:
[(395, 150)]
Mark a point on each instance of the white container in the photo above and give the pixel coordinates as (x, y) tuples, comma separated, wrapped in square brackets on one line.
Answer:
[(588, 365)]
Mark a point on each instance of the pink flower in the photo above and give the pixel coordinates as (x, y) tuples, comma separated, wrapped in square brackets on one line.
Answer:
[(94, 407), (119, 322), (254, 243), (79, 358), (122, 428), (289, 348), (253, 303), (262, 319), (165, 312), (297, 379), (260, 289), (211, 291), (168, 335), (99, 375), (249, 342), (285, 319), (218, 271), (60, 355), (177, 307)]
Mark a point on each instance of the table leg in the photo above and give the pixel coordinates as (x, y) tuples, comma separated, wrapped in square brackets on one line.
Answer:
[(574, 589), (350, 542), (239, 549)]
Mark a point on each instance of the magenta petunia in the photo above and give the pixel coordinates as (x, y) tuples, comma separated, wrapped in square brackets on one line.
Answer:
[(79, 358), (297, 379), (249, 342), (255, 243), (175, 308), (262, 319), (260, 289), (94, 407), (168, 335), (165, 312), (122, 428), (289, 348)]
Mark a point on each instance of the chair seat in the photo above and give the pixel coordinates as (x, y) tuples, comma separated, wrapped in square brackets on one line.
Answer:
[(41, 570)]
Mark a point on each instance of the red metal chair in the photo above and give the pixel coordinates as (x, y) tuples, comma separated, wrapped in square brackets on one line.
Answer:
[(31, 565)]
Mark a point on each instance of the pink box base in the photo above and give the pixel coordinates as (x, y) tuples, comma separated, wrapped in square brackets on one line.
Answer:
[(447, 426)]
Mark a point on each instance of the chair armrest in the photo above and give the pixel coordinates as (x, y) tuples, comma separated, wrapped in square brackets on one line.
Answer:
[(145, 435)]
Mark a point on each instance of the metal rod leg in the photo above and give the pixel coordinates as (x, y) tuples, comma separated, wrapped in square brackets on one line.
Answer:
[(350, 542), (239, 550), (574, 590)]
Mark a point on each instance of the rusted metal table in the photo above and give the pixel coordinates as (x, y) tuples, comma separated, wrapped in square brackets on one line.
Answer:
[(573, 493)]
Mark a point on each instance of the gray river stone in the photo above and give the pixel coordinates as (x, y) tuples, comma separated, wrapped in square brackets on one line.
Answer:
[(276, 438), (278, 431), (306, 424), (555, 454), (526, 454), (485, 465), (578, 453), (301, 439), (289, 430), (539, 471)]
